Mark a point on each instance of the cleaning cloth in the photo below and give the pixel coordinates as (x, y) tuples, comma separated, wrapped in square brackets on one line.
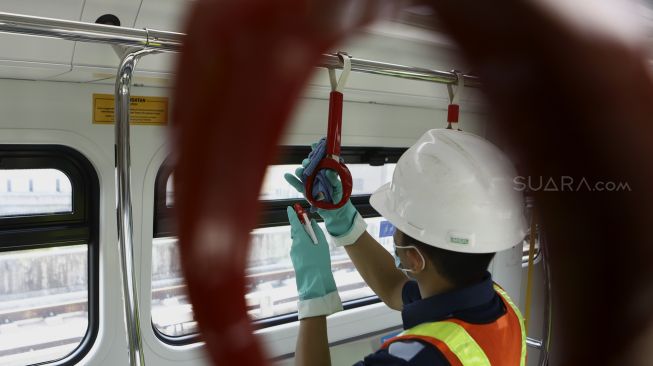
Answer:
[(322, 187)]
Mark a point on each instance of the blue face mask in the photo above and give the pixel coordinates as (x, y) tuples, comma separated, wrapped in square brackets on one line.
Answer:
[(398, 260)]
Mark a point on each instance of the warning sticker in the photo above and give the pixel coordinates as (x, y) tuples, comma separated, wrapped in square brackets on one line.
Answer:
[(151, 111)]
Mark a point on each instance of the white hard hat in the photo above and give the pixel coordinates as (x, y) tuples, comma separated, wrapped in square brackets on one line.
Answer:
[(454, 190)]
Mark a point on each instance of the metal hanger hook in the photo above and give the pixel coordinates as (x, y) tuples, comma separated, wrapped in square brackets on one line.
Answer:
[(339, 85), (454, 95)]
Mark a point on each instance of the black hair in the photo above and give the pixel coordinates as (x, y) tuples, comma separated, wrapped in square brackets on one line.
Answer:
[(461, 269)]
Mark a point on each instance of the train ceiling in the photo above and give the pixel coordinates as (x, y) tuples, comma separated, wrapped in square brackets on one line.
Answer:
[(34, 58)]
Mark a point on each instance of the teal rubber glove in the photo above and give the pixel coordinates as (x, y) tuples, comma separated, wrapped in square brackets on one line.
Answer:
[(344, 224), (318, 294)]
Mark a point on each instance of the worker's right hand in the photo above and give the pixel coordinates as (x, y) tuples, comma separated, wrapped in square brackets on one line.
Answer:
[(344, 224), (316, 287)]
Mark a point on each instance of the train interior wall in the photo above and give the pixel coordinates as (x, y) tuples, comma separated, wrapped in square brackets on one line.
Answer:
[(40, 106)]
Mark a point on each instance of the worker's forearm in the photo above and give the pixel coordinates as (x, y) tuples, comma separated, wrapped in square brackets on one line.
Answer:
[(377, 268), (312, 343)]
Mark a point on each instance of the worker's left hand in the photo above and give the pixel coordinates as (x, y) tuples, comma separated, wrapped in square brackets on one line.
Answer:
[(316, 287), (344, 224)]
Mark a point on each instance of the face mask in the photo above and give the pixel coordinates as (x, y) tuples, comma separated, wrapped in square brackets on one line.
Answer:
[(398, 260)]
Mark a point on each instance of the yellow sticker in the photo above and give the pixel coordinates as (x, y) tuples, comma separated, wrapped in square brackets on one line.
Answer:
[(151, 111)]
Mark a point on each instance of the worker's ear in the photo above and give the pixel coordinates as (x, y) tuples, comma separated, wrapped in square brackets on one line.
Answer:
[(416, 260)]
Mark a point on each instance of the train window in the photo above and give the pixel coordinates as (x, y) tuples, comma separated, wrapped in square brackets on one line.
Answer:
[(526, 246), (48, 255), (274, 186), (34, 191), (170, 198), (272, 290), (272, 295), (365, 180)]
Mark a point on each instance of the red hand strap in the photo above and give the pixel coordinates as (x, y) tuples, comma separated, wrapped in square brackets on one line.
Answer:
[(332, 158)]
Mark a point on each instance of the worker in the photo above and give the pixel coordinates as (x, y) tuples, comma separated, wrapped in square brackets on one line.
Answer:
[(454, 205)]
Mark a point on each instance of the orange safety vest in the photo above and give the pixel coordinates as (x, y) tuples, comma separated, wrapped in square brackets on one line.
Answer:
[(500, 343)]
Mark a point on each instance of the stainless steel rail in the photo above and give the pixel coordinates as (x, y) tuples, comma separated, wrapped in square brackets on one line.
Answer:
[(398, 71), (124, 206), (171, 42), (89, 32)]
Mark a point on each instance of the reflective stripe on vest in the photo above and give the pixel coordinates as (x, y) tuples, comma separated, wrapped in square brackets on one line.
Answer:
[(452, 337), (522, 327), (456, 338)]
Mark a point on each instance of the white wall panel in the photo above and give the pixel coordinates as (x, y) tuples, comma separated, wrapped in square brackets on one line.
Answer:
[(107, 76), (373, 124), (506, 270), (10, 69)]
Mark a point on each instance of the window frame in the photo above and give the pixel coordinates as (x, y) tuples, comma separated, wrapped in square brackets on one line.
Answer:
[(273, 213), (49, 230)]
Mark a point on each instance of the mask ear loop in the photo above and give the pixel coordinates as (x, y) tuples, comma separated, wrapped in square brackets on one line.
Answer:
[(453, 111), (420, 255), (423, 260)]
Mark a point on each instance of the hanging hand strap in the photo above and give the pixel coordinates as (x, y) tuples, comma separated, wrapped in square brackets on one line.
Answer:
[(331, 160), (453, 111)]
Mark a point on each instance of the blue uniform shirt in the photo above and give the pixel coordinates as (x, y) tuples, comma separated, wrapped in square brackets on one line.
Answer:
[(476, 304)]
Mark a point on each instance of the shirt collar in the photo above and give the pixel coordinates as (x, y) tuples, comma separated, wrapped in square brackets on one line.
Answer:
[(443, 306)]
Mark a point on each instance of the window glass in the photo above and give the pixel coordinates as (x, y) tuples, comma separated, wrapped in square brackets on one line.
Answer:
[(526, 247), (275, 186), (48, 253), (34, 191), (43, 303), (171, 310), (365, 180), (170, 193), (271, 290)]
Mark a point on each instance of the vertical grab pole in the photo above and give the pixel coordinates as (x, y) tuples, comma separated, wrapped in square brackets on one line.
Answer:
[(543, 344), (124, 206), (548, 303)]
